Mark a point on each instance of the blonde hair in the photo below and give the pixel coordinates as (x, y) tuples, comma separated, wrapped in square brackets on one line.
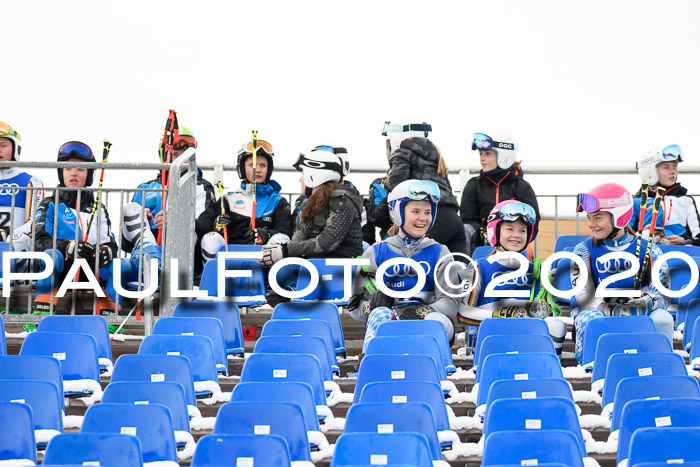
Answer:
[(442, 168), (393, 230)]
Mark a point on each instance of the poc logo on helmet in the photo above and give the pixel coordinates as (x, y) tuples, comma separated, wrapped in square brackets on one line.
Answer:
[(504, 145)]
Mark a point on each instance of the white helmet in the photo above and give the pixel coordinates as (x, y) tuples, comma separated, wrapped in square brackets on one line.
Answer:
[(320, 168), (397, 132), (647, 164), (6, 131), (504, 145), (342, 153), (412, 190)]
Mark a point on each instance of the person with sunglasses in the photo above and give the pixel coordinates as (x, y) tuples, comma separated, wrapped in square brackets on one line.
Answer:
[(134, 239), (273, 218), (678, 221), (413, 205), (609, 210), (17, 223), (68, 213), (500, 179), (510, 228)]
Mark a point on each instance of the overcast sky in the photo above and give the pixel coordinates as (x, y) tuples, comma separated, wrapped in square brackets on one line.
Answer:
[(576, 83)]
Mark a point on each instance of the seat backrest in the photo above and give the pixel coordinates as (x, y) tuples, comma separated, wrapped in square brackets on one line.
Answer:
[(543, 413), (408, 345), (381, 449), (151, 424), (33, 368), (690, 250), (420, 327), (17, 428), (156, 368), (395, 368), (312, 345), (597, 327), (655, 413), (663, 445), (513, 344), (516, 366), (303, 327), (42, 396), (564, 241), (3, 344), (110, 450), (285, 419), (201, 326), (245, 291), (279, 391), (167, 393), (216, 450), (508, 327), (625, 365), (227, 312), (695, 345), (692, 311), (399, 392), (532, 447), (385, 417), (482, 251), (331, 282), (76, 352), (627, 342), (275, 367), (528, 389), (318, 310), (94, 325), (651, 387), (198, 349)]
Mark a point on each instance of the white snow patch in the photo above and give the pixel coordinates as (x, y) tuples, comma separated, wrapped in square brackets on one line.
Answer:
[(575, 372), (463, 450), (462, 375), (304, 463), (678, 334), (591, 421), (336, 396), (466, 423), (84, 386), (441, 464), (161, 464), (72, 421), (590, 462), (318, 439), (209, 386), (16, 335), (202, 423), (234, 357), (460, 337), (193, 411), (682, 353), (597, 386), (44, 436), (16, 462), (448, 387), (186, 438), (334, 424), (588, 396)]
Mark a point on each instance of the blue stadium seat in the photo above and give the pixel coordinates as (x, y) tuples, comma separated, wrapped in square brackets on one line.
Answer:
[(269, 367), (695, 349), (561, 272), (528, 389), (600, 326), (285, 419), (331, 283), (300, 393), (198, 349), (543, 413), (655, 413), (516, 366), (42, 396), (31, 368), (664, 445), (508, 327), (76, 352), (218, 450), (421, 327), (169, 394), (690, 250), (532, 447), (17, 428), (156, 368), (482, 251), (110, 450), (568, 241), (381, 449), (314, 310), (513, 344), (312, 345), (304, 327), (691, 314), (385, 417), (408, 345), (395, 368), (398, 392), (151, 424), (680, 277), (226, 312), (626, 342), (623, 365), (3, 344), (210, 327), (651, 387), (244, 291), (4, 247), (94, 325)]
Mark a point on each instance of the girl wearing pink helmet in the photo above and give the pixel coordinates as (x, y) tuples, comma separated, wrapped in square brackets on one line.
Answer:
[(609, 210), (510, 227)]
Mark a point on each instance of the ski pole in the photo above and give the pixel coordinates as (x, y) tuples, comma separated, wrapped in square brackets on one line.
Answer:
[(170, 139), (220, 186), (643, 205), (255, 160), (660, 192), (96, 204), (138, 301)]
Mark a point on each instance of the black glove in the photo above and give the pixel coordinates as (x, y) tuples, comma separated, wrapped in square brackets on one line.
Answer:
[(222, 221), (263, 235), (378, 299), (105, 257), (85, 250), (414, 312)]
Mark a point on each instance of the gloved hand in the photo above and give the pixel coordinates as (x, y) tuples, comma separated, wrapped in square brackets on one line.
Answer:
[(104, 257), (85, 250), (539, 309), (637, 306), (661, 240), (414, 312), (222, 221), (262, 235), (272, 253), (3, 235), (519, 311), (379, 298)]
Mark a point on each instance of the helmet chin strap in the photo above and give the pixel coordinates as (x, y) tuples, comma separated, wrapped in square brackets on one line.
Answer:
[(409, 240), (613, 233)]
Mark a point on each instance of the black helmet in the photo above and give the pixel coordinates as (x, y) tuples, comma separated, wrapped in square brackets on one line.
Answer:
[(76, 150), (263, 149)]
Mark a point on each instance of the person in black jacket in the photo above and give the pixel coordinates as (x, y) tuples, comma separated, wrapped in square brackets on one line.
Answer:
[(500, 179)]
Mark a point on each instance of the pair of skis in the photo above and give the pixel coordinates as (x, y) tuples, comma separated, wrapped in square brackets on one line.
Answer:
[(645, 260)]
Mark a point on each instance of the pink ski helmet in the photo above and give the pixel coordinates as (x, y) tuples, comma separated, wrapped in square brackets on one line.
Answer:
[(610, 197), (510, 211)]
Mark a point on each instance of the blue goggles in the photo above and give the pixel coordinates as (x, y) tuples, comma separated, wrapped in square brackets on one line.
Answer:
[(398, 128), (672, 153), (516, 211), (484, 142), (75, 148), (331, 149), (424, 189)]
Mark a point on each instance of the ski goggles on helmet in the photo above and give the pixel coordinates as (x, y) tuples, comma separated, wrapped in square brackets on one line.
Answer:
[(398, 128), (484, 142), (424, 189), (184, 143), (672, 153), (589, 203), (262, 145), (6, 130), (331, 149), (76, 149), (515, 211)]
